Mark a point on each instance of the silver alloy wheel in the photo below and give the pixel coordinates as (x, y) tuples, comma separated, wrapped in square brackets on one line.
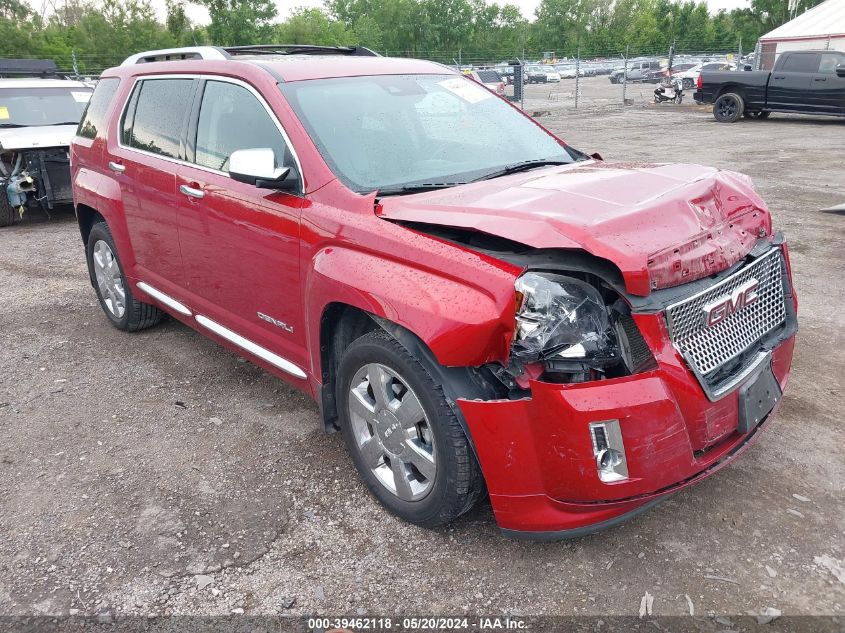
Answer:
[(109, 279), (392, 432)]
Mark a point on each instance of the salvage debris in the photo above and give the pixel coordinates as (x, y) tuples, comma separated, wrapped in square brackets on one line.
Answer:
[(203, 581), (645, 604), (768, 614), (721, 578), (835, 567)]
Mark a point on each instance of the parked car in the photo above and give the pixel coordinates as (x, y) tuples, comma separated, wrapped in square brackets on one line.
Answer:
[(809, 82), (475, 305), (664, 75), (508, 72), (541, 74), (39, 113), (552, 75), (536, 74), (689, 77), (638, 71), (490, 79), (566, 71)]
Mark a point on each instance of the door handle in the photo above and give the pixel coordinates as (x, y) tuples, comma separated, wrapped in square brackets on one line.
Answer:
[(191, 192), (116, 167), (778, 77), (820, 79)]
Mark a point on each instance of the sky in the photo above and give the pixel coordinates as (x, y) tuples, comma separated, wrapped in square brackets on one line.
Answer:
[(199, 15)]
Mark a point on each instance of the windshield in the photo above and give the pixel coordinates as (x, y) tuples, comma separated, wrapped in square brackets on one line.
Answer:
[(23, 107), (390, 131)]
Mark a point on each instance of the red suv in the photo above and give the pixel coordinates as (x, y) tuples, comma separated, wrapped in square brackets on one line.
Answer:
[(475, 305)]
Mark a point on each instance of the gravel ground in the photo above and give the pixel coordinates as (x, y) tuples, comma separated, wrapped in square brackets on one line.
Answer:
[(157, 473)]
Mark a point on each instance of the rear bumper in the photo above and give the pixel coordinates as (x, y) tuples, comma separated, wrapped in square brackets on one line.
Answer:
[(537, 454), (698, 97)]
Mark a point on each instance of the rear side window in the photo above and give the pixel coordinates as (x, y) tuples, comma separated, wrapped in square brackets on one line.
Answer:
[(829, 62), (159, 116), (801, 63), (232, 118), (93, 120)]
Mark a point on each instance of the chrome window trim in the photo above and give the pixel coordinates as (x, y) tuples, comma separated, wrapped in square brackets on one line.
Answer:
[(253, 348), (207, 77)]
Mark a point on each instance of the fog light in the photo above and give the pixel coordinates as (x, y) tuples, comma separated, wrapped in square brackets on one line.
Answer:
[(609, 450)]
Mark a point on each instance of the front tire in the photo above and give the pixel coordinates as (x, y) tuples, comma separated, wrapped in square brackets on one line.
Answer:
[(409, 448), (7, 211), (728, 108), (121, 307)]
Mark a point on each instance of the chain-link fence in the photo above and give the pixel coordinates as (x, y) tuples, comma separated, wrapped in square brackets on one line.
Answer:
[(593, 77)]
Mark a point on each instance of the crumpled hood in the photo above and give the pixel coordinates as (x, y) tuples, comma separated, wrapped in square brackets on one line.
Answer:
[(662, 225), (36, 137)]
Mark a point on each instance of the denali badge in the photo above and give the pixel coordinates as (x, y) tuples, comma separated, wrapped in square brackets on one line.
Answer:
[(276, 322), (720, 309)]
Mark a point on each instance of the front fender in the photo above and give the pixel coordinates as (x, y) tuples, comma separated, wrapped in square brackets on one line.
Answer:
[(463, 323)]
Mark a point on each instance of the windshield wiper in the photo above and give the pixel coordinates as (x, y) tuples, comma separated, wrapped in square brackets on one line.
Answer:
[(417, 188), (12, 125), (523, 166), (61, 123)]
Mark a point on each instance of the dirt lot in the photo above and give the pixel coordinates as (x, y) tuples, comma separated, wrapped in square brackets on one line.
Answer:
[(131, 463)]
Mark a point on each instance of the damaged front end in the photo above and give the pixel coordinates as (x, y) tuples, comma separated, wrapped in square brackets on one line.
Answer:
[(601, 410), (35, 178), (577, 329)]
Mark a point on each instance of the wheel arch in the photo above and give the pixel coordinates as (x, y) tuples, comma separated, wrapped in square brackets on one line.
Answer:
[(87, 216), (343, 323), (732, 87)]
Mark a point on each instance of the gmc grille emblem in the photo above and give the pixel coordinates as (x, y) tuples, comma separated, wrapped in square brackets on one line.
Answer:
[(721, 308)]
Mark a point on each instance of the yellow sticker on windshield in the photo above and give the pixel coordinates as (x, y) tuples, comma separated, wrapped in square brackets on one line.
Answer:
[(4, 112)]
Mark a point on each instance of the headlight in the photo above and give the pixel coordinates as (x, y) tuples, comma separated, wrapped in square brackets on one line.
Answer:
[(561, 319)]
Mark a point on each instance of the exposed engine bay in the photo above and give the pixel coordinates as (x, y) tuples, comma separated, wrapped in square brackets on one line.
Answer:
[(35, 178)]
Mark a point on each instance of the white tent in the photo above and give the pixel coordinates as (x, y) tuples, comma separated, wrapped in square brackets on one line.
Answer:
[(820, 28)]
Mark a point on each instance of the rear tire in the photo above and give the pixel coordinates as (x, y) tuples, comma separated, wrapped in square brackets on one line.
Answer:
[(121, 307), (407, 445), (728, 108), (7, 211)]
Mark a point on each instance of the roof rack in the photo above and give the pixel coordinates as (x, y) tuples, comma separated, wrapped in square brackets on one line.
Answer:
[(28, 68), (300, 49), (219, 53), (176, 54)]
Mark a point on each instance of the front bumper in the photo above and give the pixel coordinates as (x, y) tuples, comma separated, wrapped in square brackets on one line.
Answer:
[(537, 458)]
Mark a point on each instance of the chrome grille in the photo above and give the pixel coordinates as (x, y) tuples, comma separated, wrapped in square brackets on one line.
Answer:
[(708, 348)]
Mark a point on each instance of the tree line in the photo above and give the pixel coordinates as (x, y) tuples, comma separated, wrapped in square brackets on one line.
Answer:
[(95, 34)]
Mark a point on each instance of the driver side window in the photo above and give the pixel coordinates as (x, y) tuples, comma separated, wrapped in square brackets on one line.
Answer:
[(232, 118)]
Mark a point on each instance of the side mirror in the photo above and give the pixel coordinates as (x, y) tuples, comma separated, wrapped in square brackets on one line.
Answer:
[(258, 167), (840, 70)]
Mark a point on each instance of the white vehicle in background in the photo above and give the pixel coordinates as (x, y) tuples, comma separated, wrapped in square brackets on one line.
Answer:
[(39, 114), (566, 71), (552, 75), (690, 77)]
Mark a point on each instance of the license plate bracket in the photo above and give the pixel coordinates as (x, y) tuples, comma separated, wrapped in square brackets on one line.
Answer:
[(757, 397)]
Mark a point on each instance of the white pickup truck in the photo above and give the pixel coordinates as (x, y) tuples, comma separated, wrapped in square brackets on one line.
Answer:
[(38, 119)]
